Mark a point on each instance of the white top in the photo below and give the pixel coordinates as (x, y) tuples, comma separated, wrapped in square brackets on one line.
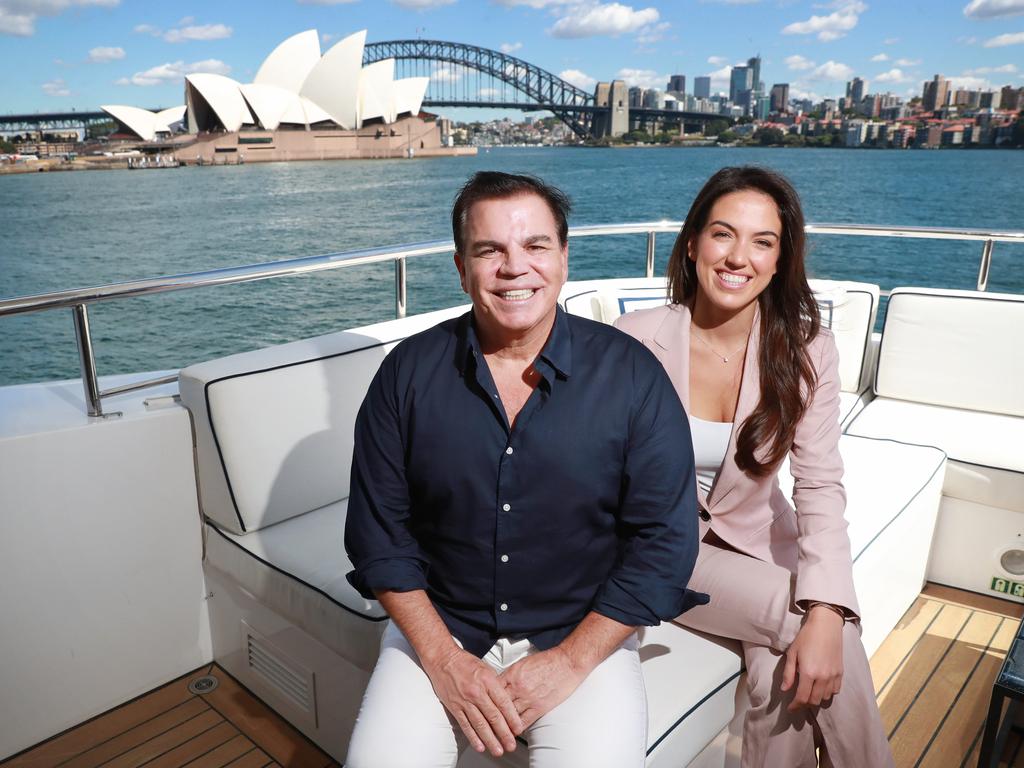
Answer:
[(710, 442)]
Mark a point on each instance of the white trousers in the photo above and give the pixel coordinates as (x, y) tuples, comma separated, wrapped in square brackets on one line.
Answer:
[(402, 723)]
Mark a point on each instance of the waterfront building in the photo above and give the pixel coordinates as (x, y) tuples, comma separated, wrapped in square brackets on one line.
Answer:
[(780, 97), (989, 100), (754, 65), (935, 94), (654, 99), (677, 84), (636, 96), (854, 132), (762, 107), (702, 87), (1011, 98)]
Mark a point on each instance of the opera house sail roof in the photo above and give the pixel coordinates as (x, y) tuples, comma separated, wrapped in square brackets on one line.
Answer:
[(295, 86)]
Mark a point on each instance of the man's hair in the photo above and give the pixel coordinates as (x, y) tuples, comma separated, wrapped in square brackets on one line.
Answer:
[(491, 185)]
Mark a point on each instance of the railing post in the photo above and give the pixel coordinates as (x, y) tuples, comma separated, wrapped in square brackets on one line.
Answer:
[(986, 264), (650, 254), (400, 293), (87, 361)]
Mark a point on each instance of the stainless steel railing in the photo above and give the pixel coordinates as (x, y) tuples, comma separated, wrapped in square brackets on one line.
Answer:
[(79, 299)]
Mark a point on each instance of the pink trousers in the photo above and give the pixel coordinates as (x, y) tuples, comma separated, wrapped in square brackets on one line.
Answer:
[(752, 601)]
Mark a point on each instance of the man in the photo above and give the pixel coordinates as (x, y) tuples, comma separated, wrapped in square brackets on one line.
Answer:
[(522, 500)]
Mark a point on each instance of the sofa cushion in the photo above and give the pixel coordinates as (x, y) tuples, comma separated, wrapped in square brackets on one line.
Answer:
[(274, 426), (297, 569), (953, 348), (986, 459)]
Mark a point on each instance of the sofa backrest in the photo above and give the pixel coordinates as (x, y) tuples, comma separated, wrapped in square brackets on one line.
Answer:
[(961, 349), (847, 308), (273, 427)]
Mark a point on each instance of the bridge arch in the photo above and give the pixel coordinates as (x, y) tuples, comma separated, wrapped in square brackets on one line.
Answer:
[(572, 105)]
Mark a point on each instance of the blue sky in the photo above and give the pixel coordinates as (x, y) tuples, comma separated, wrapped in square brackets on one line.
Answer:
[(63, 54)]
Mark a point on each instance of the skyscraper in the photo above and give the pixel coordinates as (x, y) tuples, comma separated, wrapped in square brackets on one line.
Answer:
[(934, 95), (780, 97), (677, 84), (857, 88), (702, 87), (739, 81)]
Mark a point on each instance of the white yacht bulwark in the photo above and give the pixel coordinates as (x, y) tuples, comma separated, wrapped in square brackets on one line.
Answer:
[(200, 518)]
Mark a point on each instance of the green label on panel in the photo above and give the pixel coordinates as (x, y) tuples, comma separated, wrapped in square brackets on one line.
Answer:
[(1006, 586)]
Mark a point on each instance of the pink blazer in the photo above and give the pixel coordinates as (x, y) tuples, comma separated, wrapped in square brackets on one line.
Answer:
[(752, 514)]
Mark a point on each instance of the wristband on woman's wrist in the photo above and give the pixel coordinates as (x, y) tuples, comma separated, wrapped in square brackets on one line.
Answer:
[(834, 608)]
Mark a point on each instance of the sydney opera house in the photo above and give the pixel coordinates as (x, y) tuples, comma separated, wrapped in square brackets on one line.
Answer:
[(300, 106)]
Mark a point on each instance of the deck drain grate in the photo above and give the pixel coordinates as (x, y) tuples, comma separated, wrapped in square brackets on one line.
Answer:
[(203, 684)]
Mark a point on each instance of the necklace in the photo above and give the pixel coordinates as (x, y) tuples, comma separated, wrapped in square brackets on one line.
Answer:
[(715, 352)]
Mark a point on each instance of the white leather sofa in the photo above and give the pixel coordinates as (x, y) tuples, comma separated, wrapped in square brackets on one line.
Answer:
[(273, 431), (951, 374)]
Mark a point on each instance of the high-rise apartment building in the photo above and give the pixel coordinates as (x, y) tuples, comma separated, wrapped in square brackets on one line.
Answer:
[(935, 93), (677, 84), (740, 81), (702, 87), (636, 96), (1011, 98), (780, 97)]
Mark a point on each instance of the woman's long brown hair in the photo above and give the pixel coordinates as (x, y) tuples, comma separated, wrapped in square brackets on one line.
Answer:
[(789, 316)]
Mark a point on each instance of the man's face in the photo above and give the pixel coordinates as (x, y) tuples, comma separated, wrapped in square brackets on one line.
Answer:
[(512, 266)]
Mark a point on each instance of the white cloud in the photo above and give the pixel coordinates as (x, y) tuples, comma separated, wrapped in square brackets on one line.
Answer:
[(798, 63), (173, 71), (56, 87), (891, 41), (830, 27), (1009, 69), (652, 33), (907, 62), (802, 91), (645, 78), (894, 75), (720, 78), (970, 83), (421, 5), (999, 41), (578, 78), (510, 47), (104, 54), (201, 32), (603, 19), (326, 2), (717, 61), (832, 70), (536, 3), (443, 74), (18, 17), (487, 93), (993, 9), (146, 29), (880, 57)]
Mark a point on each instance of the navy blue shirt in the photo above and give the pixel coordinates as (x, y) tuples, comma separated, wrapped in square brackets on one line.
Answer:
[(587, 504)]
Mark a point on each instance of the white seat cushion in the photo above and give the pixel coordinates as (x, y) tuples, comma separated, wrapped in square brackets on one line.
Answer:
[(986, 458), (297, 569)]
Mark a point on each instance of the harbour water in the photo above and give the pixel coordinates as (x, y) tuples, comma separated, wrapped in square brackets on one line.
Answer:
[(67, 230)]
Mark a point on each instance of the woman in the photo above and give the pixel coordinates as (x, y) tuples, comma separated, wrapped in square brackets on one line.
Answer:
[(742, 342)]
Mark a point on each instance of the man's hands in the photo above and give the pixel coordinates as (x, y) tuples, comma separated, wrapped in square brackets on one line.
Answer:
[(478, 700), (540, 682), (816, 656)]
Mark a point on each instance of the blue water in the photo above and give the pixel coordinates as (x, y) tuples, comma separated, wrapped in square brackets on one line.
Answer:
[(66, 230)]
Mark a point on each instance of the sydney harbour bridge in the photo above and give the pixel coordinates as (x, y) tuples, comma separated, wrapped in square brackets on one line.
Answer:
[(470, 76)]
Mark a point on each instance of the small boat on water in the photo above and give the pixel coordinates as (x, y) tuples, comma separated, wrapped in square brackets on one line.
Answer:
[(187, 526)]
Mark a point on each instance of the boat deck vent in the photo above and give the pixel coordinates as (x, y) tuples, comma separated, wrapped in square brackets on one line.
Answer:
[(285, 677)]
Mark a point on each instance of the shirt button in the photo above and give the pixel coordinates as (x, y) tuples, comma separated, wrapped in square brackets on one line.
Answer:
[(504, 606), (509, 450), (504, 558), (507, 507), (704, 515)]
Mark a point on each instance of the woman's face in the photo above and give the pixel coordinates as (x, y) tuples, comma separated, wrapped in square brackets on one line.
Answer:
[(738, 250)]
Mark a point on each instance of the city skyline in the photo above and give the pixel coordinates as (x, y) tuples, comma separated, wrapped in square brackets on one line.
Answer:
[(81, 53)]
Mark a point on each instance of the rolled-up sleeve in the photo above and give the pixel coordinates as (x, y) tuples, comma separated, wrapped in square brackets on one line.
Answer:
[(377, 538), (658, 510)]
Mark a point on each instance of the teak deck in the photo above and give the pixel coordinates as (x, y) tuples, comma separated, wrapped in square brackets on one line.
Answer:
[(933, 675)]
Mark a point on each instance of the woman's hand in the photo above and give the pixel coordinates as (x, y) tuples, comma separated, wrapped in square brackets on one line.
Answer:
[(814, 661)]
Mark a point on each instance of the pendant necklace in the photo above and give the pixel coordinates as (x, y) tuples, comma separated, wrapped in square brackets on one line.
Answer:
[(715, 352)]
